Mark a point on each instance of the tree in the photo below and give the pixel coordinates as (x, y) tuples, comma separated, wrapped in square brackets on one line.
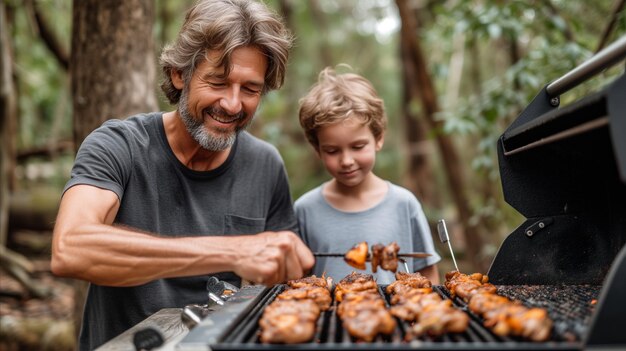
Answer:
[(113, 71), (450, 158), (7, 113), (112, 62)]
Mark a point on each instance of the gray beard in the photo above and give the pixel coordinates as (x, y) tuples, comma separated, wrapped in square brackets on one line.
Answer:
[(195, 127)]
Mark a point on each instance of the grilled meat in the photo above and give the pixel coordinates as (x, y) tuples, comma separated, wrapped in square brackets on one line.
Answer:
[(364, 321), (357, 255), (291, 318), (362, 309), (355, 282), (406, 282), (319, 295), (440, 318), (385, 256), (324, 282), (377, 254), (502, 315), (464, 286), (289, 321), (389, 259), (413, 300), (353, 300)]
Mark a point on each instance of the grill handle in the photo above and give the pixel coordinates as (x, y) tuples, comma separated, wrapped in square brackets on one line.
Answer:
[(604, 59)]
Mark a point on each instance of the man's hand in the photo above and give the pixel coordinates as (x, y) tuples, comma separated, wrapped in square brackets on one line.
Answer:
[(273, 257)]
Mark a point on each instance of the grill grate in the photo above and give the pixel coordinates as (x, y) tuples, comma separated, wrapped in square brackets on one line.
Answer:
[(568, 306)]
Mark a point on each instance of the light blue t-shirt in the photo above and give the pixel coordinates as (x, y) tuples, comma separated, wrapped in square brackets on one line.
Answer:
[(398, 217)]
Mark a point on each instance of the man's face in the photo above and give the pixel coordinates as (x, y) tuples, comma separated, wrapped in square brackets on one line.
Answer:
[(214, 107)]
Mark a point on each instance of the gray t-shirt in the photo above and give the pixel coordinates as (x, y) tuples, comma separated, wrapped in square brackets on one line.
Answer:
[(398, 217), (247, 194)]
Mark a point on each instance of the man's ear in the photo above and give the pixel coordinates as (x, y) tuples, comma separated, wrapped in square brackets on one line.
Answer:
[(380, 142), (177, 79)]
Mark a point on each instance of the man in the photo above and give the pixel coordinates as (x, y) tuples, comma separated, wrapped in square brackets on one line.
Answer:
[(159, 201)]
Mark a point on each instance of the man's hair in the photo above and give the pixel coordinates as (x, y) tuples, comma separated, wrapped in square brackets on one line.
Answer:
[(225, 25), (337, 97)]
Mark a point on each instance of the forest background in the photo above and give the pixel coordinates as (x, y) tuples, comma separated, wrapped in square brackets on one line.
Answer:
[(453, 74)]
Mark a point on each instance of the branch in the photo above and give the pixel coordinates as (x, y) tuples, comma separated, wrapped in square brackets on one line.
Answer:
[(50, 39), (567, 32), (619, 6), (46, 150)]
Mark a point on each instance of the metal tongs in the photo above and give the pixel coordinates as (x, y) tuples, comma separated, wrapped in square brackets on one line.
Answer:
[(443, 236), (218, 292)]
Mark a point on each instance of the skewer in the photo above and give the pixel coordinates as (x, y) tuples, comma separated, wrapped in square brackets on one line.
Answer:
[(443, 236), (408, 254), (406, 266)]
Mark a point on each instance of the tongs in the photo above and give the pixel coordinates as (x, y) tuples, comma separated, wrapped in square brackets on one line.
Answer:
[(218, 292)]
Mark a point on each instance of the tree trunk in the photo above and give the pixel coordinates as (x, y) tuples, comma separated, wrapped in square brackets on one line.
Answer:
[(112, 62), (113, 70), (451, 162), (7, 123), (419, 176), (617, 9)]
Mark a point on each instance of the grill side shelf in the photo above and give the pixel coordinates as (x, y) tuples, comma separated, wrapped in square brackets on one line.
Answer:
[(220, 322)]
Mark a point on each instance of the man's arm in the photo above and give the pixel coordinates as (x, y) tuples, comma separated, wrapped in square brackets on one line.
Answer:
[(87, 246)]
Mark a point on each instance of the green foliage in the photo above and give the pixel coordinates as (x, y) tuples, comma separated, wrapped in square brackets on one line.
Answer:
[(496, 82), (43, 100)]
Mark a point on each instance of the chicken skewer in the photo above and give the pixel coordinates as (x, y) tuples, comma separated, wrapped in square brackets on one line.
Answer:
[(386, 257), (361, 308), (291, 318), (413, 300), (501, 314)]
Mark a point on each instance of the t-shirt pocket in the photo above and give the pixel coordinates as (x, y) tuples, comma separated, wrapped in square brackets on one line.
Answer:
[(237, 225)]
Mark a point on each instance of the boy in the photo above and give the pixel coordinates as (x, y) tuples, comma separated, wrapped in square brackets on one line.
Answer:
[(344, 120)]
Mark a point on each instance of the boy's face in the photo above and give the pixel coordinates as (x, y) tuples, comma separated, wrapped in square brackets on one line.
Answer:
[(348, 150)]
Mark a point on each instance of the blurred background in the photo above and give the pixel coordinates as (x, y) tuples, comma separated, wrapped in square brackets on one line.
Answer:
[(453, 74)]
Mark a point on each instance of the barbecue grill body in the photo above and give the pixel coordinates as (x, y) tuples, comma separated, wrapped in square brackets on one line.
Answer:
[(565, 171)]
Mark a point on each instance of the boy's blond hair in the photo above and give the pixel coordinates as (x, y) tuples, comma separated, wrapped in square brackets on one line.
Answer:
[(337, 97)]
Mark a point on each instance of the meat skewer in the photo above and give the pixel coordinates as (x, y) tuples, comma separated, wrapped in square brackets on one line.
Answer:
[(413, 300), (361, 308), (385, 257), (501, 314), (291, 318)]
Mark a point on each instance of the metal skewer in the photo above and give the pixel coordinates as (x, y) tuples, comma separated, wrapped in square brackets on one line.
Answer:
[(443, 236), (408, 254), (406, 266)]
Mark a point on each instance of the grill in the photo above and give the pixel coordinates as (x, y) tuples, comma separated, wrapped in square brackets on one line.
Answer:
[(570, 306), (564, 169)]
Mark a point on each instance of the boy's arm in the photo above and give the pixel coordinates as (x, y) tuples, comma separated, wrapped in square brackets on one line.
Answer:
[(432, 273)]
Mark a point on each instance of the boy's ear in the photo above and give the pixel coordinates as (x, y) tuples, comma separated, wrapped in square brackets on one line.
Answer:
[(380, 142), (177, 79)]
